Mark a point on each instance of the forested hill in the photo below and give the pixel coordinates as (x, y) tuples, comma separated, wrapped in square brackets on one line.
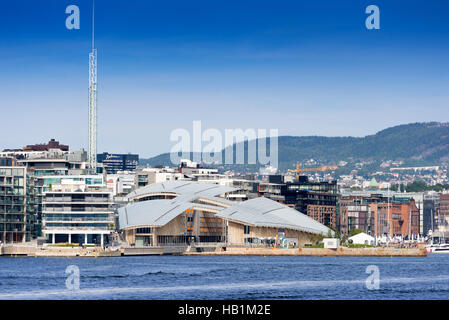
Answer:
[(416, 142)]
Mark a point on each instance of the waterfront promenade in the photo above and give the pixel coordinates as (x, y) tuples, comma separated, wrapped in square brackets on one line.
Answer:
[(317, 252), (35, 251), (39, 251)]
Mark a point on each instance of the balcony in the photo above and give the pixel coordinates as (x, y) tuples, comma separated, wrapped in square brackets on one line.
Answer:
[(67, 200), (10, 211), (73, 219), (78, 210), (5, 184), (49, 229), (11, 221)]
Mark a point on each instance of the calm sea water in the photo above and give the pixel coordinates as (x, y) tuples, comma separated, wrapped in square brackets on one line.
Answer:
[(175, 277)]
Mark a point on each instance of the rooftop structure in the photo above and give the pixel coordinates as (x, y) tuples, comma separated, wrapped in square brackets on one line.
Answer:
[(194, 169), (186, 189), (56, 163), (52, 144), (149, 176)]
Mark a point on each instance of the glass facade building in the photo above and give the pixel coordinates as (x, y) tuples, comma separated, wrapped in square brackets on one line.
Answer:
[(19, 220), (118, 162)]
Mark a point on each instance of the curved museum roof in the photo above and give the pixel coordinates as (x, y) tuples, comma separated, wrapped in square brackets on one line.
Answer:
[(185, 188), (261, 212)]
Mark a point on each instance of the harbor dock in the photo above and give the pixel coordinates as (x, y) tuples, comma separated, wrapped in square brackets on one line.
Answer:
[(33, 251), (317, 252)]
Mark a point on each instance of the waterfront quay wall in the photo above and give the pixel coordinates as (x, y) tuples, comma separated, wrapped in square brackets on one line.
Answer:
[(159, 250), (17, 250), (48, 251), (317, 252), (142, 251), (34, 251)]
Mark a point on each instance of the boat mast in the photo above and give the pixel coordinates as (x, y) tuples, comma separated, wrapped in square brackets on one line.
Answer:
[(431, 216), (388, 212), (409, 222), (439, 225)]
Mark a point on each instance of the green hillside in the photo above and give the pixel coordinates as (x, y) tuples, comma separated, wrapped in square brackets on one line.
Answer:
[(416, 143)]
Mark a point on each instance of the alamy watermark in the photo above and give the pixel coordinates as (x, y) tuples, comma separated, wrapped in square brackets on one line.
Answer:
[(72, 283), (73, 20), (373, 20), (211, 147), (373, 280)]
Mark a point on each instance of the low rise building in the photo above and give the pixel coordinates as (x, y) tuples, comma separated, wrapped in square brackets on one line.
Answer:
[(121, 183), (149, 176)]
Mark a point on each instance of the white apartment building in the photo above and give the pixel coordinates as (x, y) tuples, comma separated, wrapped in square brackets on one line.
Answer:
[(77, 211)]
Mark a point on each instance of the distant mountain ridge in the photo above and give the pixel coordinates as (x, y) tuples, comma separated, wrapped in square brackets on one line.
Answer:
[(414, 142)]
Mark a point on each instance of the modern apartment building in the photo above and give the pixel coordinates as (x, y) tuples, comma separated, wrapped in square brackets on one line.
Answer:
[(317, 200), (77, 212), (18, 206), (355, 214), (431, 212), (444, 210), (56, 163), (52, 190)]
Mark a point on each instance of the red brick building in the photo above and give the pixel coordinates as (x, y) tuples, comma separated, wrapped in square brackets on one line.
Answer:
[(323, 214), (52, 144), (396, 218)]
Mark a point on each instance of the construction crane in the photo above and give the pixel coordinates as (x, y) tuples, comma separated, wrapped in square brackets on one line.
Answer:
[(299, 170)]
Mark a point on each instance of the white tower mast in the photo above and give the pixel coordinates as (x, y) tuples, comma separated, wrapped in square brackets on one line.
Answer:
[(92, 158)]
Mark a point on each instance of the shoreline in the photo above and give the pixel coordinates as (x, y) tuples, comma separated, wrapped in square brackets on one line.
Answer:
[(317, 252), (32, 251), (63, 252)]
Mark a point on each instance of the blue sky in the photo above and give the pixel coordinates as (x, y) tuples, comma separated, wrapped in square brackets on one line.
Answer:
[(304, 67)]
